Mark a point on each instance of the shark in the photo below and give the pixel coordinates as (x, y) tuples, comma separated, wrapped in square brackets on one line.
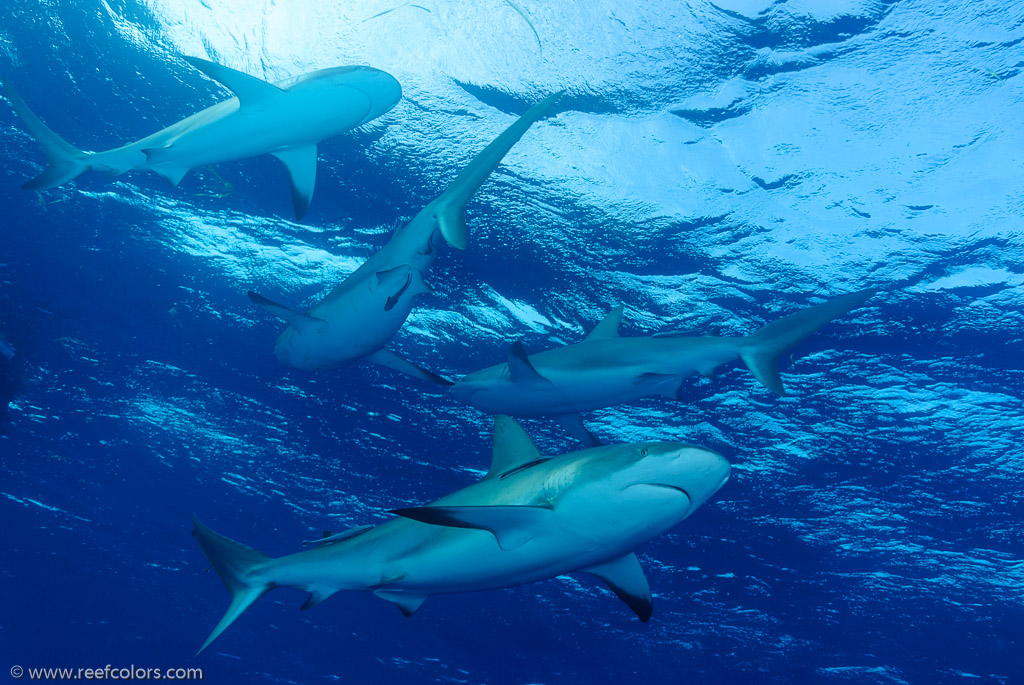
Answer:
[(529, 518), (287, 119), (357, 319), (607, 369)]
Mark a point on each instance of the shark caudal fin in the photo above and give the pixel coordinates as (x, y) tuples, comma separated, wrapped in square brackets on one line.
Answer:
[(450, 208), (66, 161), (761, 350), (234, 563)]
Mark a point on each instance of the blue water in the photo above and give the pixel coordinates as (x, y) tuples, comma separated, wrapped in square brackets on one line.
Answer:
[(711, 165)]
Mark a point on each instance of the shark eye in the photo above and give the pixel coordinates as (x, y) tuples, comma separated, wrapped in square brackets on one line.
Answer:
[(643, 452)]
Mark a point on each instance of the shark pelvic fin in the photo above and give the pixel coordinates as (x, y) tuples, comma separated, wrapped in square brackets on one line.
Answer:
[(761, 350), (573, 424), (512, 525), (520, 368), (608, 328), (66, 161), (301, 322), (406, 602), (235, 564), (249, 90), (393, 361), (512, 446), (301, 165), (625, 577)]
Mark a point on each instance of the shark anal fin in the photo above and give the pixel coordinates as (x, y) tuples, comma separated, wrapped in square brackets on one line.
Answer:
[(393, 361), (406, 602), (315, 597), (625, 577), (299, 321), (573, 424), (248, 89), (512, 446), (520, 368), (173, 174), (608, 328), (301, 165), (512, 525)]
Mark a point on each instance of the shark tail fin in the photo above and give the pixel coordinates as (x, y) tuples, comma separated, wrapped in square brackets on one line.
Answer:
[(450, 208), (66, 161), (237, 566), (761, 350)]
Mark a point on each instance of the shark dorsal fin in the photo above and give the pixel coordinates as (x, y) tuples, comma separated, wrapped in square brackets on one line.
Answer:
[(301, 322), (608, 328), (512, 446), (520, 368), (248, 89)]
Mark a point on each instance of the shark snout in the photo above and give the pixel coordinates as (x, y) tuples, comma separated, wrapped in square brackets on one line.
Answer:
[(697, 471)]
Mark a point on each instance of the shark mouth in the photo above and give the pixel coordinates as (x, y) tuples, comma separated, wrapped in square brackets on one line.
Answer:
[(671, 487)]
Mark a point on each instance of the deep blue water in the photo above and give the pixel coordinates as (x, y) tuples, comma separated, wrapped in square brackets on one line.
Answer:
[(711, 165)]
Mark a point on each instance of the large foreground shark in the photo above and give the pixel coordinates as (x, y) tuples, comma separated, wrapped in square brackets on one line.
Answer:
[(529, 518), (286, 119), (360, 316), (607, 369)]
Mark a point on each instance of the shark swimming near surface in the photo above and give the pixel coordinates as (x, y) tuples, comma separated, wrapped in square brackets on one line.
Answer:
[(530, 518), (359, 317), (606, 368), (287, 119)]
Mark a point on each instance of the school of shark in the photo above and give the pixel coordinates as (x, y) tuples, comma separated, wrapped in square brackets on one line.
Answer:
[(531, 517)]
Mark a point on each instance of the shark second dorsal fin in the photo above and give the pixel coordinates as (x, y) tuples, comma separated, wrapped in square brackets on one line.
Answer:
[(248, 89), (301, 322), (625, 577), (512, 525), (520, 368), (512, 446), (608, 328)]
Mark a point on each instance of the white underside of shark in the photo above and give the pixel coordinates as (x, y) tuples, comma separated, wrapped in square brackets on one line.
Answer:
[(287, 119), (357, 319), (607, 369), (528, 519)]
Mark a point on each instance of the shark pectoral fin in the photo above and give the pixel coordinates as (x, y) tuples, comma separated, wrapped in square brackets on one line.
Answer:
[(301, 165), (301, 322), (173, 174), (248, 89), (573, 424), (393, 361), (329, 538), (608, 328), (407, 602), (512, 525), (512, 446), (662, 383), (520, 368), (625, 577)]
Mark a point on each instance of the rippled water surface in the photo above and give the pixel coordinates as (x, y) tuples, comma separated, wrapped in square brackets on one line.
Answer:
[(711, 166)]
